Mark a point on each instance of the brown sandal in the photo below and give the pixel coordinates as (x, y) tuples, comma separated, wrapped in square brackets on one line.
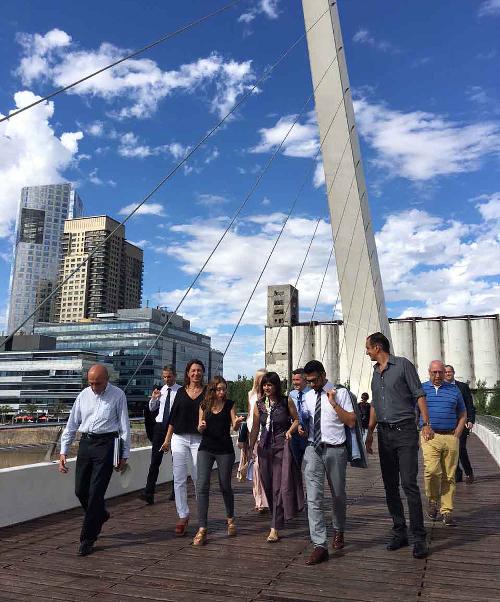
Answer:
[(200, 539), (181, 526), (231, 527)]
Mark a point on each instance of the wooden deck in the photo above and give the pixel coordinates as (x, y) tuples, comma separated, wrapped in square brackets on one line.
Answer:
[(138, 557)]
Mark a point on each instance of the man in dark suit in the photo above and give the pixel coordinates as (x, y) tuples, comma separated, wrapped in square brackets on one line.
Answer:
[(159, 406), (464, 462)]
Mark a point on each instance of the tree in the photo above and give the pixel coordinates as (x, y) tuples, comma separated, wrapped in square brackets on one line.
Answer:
[(4, 409), (59, 409), (480, 394), (494, 404), (31, 408), (238, 391)]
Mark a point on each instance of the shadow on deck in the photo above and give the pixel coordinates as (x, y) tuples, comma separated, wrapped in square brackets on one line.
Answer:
[(138, 558)]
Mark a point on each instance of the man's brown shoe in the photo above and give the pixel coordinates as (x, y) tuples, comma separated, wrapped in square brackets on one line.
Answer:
[(338, 540), (318, 555)]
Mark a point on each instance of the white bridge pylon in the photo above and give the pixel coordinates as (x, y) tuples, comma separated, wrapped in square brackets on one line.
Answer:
[(361, 291)]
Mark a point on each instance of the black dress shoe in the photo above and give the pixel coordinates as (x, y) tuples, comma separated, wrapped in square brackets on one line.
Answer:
[(149, 498), (107, 516), (397, 542), (86, 548), (420, 549)]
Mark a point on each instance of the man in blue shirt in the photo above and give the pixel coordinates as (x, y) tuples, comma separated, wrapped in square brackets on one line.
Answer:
[(447, 415), (297, 394)]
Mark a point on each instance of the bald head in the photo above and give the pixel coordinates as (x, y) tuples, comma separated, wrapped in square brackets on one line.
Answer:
[(97, 378), (436, 372)]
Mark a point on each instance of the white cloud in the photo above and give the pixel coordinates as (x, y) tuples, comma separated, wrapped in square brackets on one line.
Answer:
[(131, 147), (442, 267), (211, 200), (489, 7), (269, 8), (96, 128), (31, 153), (146, 209), (223, 290), (303, 140), (139, 83), (420, 145), (95, 179), (363, 36)]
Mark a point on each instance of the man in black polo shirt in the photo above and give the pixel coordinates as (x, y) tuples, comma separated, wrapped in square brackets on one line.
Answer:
[(396, 390)]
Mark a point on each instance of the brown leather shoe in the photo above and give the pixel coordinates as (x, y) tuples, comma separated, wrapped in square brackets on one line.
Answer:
[(338, 540), (318, 555)]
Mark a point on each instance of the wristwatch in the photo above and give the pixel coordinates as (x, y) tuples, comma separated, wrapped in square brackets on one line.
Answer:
[(426, 424)]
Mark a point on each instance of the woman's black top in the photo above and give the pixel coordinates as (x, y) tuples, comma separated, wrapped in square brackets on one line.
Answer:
[(184, 413), (216, 438)]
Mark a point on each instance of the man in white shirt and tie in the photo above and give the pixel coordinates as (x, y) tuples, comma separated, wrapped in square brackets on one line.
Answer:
[(100, 413), (330, 411), (161, 401)]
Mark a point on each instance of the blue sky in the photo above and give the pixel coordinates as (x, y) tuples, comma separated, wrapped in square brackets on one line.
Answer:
[(427, 100)]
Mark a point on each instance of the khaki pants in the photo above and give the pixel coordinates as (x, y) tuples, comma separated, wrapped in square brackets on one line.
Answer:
[(440, 464)]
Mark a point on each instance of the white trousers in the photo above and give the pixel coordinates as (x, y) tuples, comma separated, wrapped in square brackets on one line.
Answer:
[(184, 456)]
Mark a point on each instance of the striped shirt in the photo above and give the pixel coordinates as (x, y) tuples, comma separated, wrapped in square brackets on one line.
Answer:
[(106, 412), (445, 404)]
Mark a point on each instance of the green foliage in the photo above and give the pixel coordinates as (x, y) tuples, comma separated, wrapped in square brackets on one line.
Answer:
[(238, 391), (59, 408), (480, 395), (31, 408), (494, 404), (4, 409)]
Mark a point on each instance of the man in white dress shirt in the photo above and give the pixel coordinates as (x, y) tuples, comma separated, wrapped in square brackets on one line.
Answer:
[(330, 411), (100, 413), (161, 401)]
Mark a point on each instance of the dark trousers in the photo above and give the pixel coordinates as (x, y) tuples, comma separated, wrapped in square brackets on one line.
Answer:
[(464, 464), (204, 466), (156, 458), (398, 453), (298, 446), (94, 467)]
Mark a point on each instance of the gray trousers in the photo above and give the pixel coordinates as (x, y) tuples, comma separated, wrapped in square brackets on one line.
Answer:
[(332, 463), (205, 464)]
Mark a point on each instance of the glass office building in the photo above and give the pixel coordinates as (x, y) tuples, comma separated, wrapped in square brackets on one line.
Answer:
[(37, 250), (127, 336)]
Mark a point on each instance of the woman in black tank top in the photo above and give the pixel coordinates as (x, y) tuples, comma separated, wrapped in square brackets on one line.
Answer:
[(216, 416)]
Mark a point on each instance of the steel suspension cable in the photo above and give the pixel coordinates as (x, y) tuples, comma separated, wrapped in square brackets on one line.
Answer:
[(133, 54), (170, 174)]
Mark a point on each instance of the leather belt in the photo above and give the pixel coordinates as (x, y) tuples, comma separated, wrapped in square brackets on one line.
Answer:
[(397, 425), (448, 432), (93, 436)]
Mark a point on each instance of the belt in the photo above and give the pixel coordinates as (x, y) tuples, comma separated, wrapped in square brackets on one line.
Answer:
[(448, 432), (311, 444), (94, 436), (397, 425)]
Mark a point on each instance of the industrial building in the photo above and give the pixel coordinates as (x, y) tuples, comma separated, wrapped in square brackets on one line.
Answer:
[(109, 280), (470, 343), (126, 336), (37, 250)]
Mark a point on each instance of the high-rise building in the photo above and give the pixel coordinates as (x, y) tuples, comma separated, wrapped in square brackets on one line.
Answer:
[(37, 251), (110, 280)]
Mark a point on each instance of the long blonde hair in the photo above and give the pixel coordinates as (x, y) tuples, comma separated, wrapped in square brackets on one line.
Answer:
[(256, 381)]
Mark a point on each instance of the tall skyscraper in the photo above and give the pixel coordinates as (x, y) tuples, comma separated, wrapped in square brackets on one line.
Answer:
[(110, 280), (37, 253)]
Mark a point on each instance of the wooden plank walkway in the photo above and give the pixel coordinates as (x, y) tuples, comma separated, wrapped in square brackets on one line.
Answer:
[(138, 557)]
